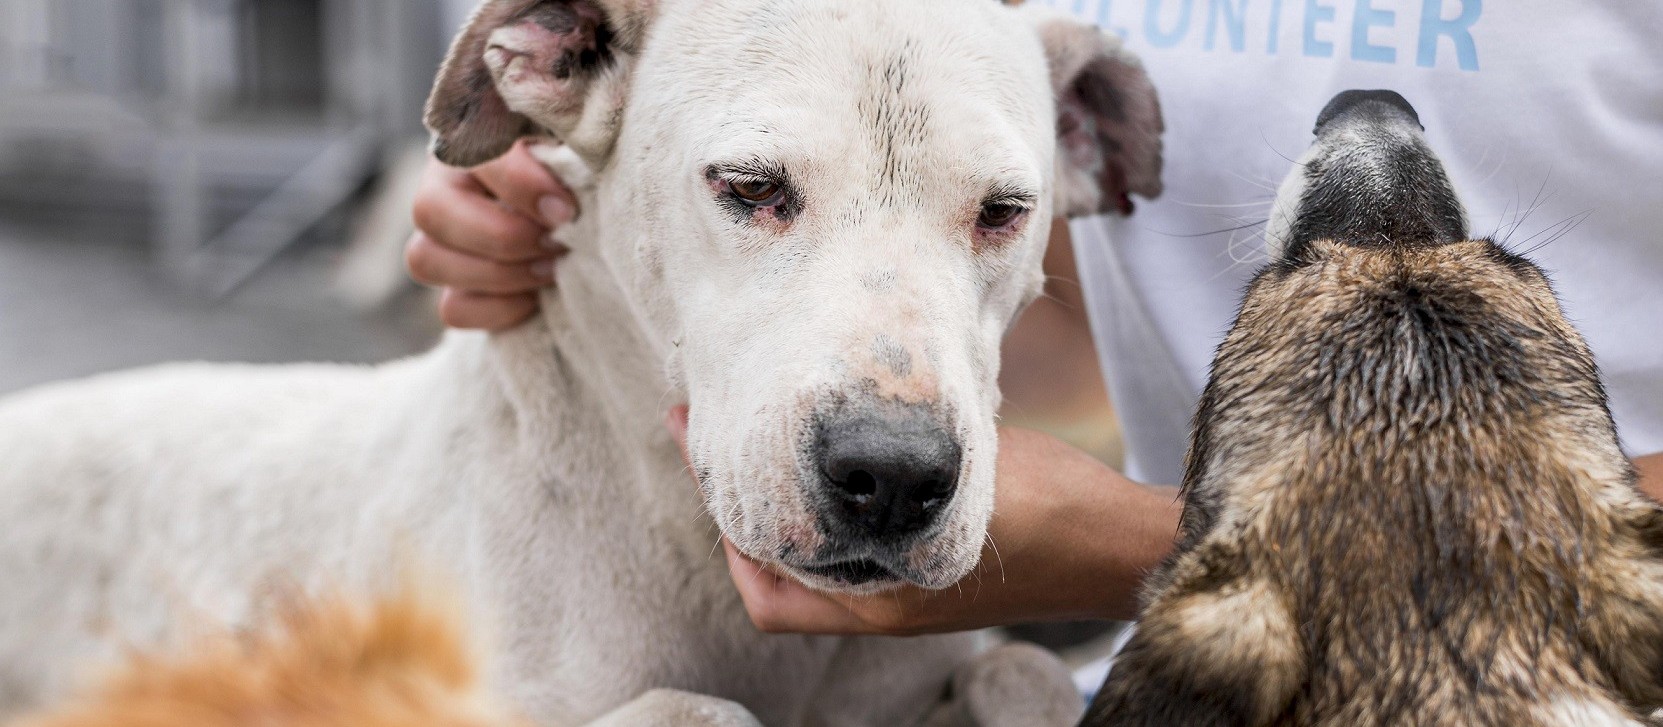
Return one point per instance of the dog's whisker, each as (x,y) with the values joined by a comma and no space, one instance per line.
(1231,269)
(1209,233)
(997,558)
(668,392)
(1558,230)
(1501,161)
(1054,299)
(1060,280)
(1501,219)
(1541,198)
(1255,182)
(1278,152)
(755,574)
(1229,205)
(1256,254)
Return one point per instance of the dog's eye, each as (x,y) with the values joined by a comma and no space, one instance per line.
(757,192)
(999,215)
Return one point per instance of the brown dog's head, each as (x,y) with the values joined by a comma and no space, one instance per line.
(1381,331)
(1405,500)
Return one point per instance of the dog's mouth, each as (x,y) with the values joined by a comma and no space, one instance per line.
(858,572)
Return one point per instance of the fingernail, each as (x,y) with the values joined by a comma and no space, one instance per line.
(543,269)
(556,211)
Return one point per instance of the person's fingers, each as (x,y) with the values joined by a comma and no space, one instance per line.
(458,212)
(461,309)
(434,264)
(778,604)
(524,185)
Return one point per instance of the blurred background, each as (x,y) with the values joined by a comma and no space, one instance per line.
(178,178)
(230,180)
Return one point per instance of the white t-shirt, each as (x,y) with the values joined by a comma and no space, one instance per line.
(1551,107)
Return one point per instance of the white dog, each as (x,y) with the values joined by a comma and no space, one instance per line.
(812,220)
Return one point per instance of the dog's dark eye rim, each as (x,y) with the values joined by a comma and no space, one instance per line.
(752,184)
(755,191)
(998,214)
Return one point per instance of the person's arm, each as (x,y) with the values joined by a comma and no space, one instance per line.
(1070,538)
(1650,468)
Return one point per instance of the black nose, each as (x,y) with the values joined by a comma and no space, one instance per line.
(1379,103)
(888,469)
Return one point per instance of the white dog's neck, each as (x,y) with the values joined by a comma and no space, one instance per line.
(585,382)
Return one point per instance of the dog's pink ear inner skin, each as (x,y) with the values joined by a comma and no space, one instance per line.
(518,67)
(1108,121)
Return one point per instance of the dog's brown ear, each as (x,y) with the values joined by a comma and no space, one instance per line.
(522,67)
(1108,119)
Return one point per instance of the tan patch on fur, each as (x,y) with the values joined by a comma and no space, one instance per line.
(1243,627)
(399,662)
(1585,713)
(914,383)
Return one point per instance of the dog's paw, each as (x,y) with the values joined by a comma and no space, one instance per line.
(1014,685)
(674,707)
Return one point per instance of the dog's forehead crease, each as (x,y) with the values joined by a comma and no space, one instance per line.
(875,86)
(897,121)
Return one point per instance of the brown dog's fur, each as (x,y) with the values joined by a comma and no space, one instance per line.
(402,662)
(1405,505)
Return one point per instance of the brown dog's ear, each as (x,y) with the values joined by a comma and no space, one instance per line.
(1108,119)
(522,67)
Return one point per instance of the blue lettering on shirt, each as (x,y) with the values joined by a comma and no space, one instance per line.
(1458,29)
(1315,12)
(1152,24)
(1379,29)
(1232,12)
(1367,16)
(1275,26)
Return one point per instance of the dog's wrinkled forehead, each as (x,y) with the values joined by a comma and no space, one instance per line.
(886,86)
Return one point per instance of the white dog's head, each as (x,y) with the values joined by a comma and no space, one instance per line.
(829,211)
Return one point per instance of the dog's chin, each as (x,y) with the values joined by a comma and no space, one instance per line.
(863,576)
(854,577)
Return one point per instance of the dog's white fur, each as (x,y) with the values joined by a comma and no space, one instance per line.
(534,461)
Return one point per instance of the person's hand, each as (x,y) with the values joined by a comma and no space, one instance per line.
(1070,538)
(483,236)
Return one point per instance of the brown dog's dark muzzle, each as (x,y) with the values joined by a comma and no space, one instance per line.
(1372,181)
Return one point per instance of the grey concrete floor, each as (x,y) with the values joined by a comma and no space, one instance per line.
(82,299)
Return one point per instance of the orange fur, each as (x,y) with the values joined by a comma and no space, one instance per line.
(323,663)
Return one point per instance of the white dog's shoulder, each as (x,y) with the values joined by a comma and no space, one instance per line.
(137,502)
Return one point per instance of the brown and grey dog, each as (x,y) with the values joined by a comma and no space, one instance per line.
(1405,503)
